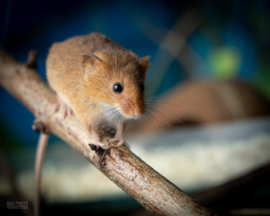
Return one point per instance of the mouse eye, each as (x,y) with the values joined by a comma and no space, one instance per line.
(142,88)
(117,88)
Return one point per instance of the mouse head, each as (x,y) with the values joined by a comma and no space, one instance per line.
(116,79)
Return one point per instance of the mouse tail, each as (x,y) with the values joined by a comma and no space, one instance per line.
(41,148)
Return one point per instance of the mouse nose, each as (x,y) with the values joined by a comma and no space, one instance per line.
(138,111)
(134,109)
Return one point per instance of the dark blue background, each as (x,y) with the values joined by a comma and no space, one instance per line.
(25,25)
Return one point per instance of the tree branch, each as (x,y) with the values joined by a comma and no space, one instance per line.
(149,188)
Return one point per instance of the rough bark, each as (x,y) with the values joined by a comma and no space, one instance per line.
(129,172)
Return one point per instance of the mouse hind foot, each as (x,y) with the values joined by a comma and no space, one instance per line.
(63,109)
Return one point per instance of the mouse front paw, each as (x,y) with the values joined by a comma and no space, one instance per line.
(108,129)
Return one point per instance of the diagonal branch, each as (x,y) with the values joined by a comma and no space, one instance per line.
(149,188)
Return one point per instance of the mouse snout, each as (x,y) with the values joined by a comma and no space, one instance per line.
(132,108)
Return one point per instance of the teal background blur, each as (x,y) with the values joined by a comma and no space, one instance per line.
(208,40)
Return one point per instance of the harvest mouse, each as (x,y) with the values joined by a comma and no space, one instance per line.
(98,80)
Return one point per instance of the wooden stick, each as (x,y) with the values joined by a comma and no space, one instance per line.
(140,181)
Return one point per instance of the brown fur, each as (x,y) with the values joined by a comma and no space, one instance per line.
(83,69)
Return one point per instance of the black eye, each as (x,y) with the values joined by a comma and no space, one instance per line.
(117,88)
(142,88)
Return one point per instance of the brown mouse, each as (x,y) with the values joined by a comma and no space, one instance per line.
(98,80)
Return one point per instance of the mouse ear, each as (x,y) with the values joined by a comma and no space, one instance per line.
(146,58)
(90,62)
(145,62)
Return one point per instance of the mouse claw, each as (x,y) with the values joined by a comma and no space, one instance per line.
(120,142)
(69,111)
(63,109)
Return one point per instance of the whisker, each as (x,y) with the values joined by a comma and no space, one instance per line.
(177,118)
(172,116)
(114,108)
(149,115)
(161,114)
(114,113)
(160,102)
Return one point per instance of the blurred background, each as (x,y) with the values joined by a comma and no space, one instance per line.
(208,91)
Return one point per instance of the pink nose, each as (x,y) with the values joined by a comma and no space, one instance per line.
(136,114)
(138,111)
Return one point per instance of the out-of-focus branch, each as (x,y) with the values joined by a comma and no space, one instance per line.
(235,192)
(149,188)
(174,43)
